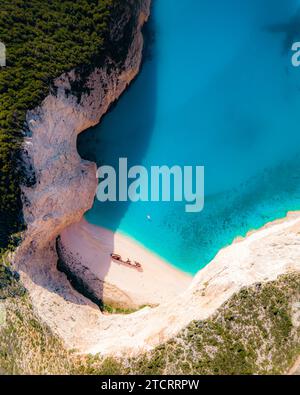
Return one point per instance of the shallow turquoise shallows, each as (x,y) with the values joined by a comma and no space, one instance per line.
(217,89)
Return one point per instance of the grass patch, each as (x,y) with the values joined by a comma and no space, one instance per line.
(117,310)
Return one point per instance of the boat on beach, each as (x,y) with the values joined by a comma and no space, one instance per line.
(128,263)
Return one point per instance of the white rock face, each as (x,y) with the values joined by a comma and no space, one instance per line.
(65,190)
(261,257)
(65,184)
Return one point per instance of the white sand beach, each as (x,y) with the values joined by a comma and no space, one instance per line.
(262,256)
(158,282)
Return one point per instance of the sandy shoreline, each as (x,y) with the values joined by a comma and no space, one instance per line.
(158,283)
(260,257)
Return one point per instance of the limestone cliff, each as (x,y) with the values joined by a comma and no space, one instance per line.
(64,185)
(63,188)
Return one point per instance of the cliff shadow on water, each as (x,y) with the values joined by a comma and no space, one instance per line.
(124,132)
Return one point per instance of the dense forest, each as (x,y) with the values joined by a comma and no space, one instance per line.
(43,39)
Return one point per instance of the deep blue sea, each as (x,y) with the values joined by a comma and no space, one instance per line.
(218,89)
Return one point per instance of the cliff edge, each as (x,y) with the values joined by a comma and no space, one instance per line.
(64,185)
(63,190)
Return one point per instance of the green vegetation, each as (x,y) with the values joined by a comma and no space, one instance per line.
(118,310)
(255,332)
(9,284)
(44,39)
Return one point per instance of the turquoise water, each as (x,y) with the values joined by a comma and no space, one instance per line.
(217,89)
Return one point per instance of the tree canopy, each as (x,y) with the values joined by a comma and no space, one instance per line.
(43,39)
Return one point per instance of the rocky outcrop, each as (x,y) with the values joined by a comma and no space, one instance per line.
(62,186)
